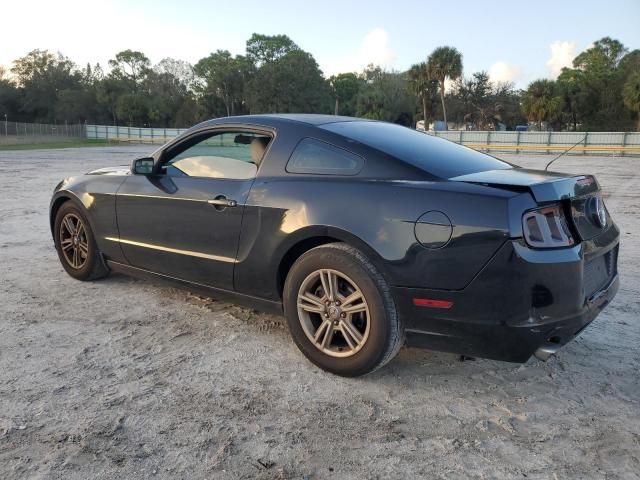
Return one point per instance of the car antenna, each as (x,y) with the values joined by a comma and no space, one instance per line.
(567,150)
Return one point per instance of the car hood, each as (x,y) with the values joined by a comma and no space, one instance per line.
(544,186)
(121,170)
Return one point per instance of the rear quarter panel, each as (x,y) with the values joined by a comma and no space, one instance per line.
(376,216)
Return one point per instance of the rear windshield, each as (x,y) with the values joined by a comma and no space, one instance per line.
(439,157)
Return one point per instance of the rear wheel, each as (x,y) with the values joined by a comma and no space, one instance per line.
(340,311)
(76,245)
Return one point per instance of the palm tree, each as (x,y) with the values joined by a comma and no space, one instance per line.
(540,102)
(424,87)
(443,63)
(417,78)
(345,87)
(570,86)
(631,95)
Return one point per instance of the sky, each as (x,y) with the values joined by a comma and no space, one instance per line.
(513,40)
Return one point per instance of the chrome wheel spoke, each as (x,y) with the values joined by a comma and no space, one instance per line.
(328,336)
(310,303)
(351,334)
(361,307)
(329,284)
(353,303)
(66,244)
(68,225)
(324,334)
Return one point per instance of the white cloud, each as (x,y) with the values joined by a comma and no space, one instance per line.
(562,55)
(374,49)
(504,72)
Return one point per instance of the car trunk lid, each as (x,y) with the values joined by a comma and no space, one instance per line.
(544,186)
(576,191)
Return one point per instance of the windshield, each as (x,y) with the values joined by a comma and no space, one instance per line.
(439,157)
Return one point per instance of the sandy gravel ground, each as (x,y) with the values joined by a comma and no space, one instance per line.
(123,379)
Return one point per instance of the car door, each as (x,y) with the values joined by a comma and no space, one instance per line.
(184,219)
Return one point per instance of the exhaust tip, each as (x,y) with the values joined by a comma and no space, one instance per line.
(546,351)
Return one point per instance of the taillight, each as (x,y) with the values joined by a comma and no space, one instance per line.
(546,228)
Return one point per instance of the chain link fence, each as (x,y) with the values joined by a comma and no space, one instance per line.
(18,133)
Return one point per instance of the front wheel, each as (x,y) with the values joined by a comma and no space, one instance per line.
(76,245)
(340,311)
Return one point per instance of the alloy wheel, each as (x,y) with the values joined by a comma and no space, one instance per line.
(73,241)
(333,313)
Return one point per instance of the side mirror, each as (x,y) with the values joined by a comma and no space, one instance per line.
(143,166)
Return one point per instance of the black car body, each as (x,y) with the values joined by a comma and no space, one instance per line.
(480,257)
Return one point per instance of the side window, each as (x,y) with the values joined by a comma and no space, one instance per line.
(234,155)
(314,156)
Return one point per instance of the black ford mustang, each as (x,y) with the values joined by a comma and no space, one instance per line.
(365,234)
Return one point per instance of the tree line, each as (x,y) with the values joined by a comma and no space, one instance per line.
(600,92)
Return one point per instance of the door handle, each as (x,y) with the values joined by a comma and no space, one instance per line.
(222,201)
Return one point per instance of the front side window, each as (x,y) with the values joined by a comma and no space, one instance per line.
(233,155)
(321,158)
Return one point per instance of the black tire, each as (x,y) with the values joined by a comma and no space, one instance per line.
(92,266)
(386,332)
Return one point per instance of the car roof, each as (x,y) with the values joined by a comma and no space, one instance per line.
(269,119)
(312,118)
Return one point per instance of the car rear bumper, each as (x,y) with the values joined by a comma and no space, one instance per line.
(522,301)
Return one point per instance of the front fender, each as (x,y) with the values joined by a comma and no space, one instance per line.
(95,195)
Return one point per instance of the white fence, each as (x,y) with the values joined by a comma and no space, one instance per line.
(595,143)
(132,134)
